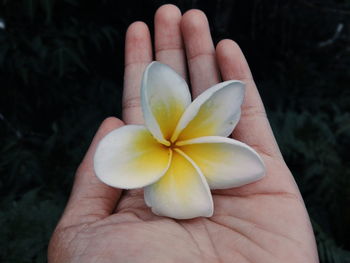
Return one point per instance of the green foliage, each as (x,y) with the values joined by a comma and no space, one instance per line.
(312,144)
(27,224)
(61,73)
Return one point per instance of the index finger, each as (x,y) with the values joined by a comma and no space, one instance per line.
(138,54)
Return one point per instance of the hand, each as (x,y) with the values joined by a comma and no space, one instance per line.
(265,221)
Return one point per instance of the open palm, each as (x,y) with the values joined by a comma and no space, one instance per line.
(265,221)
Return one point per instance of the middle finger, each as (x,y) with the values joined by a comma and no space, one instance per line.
(168,40)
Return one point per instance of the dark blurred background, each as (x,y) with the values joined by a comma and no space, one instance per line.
(61,74)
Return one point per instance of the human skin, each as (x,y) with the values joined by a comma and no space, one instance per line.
(265,221)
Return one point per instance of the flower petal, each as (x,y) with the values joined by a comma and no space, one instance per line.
(125,158)
(215,112)
(182,193)
(164,97)
(225,162)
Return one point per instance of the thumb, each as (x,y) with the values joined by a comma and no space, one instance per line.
(90,199)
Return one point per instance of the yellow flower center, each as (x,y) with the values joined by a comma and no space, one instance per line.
(170,145)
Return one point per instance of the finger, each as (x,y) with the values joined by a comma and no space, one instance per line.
(90,199)
(253,128)
(200,51)
(168,39)
(138,54)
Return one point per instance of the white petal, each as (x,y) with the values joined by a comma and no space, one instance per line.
(182,193)
(225,162)
(215,112)
(129,157)
(164,98)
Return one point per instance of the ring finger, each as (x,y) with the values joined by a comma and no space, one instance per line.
(200,51)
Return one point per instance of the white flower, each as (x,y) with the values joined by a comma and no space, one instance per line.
(182,151)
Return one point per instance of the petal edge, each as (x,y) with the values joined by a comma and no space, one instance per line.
(171,196)
(164,97)
(124,158)
(213,113)
(225,162)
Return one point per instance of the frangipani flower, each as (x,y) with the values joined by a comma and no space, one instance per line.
(182,151)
